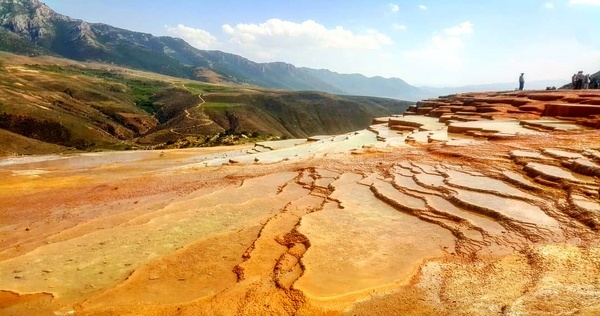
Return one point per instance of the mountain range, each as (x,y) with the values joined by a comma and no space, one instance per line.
(31,27)
(50,104)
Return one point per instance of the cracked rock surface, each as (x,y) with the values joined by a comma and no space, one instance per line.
(405,218)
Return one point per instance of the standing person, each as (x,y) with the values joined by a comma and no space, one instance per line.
(579,80)
(574,81)
(521,81)
(586,82)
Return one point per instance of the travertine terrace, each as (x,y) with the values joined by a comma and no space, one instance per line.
(474,204)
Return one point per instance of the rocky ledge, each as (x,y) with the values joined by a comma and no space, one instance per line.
(581,106)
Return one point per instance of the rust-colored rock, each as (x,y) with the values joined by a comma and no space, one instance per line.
(571,110)
(433,220)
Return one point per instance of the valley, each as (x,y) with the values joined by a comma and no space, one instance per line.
(100,107)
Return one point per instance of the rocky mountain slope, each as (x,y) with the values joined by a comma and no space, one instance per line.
(86,106)
(472,204)
(30,27)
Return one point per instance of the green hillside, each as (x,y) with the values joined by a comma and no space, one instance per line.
(31,28)
(66,105)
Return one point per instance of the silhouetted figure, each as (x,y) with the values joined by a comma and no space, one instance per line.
(521,81)
(574,81)
(579,80)
(586,82)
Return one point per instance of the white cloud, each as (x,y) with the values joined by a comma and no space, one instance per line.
(461,29)
(584,2)
(444,50)
(196,37)
(399,27)
(305,44)
(276,33)
(422,7)
(394,8)
(440,51)
(549,5)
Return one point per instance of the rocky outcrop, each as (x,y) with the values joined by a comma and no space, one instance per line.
(497,114)
(522,104)
(30,18)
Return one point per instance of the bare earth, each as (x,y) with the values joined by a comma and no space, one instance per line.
(449,212)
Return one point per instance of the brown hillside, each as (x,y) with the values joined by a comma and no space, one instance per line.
(97,107)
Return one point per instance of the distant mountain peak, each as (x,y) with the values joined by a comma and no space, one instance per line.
(31,27)
(28,18)
(27,3)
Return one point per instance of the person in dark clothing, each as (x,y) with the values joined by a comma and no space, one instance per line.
(595,83)
(521,82)
(579,81)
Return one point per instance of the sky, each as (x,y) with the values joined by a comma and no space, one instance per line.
(439,43)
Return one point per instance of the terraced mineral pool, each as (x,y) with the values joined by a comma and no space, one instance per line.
(586,167)
(437,136)
(585,203)
(92,160)
(408,183)
(279,144)
(384,133)
(104,258)
(337,144)
(29,173)
(407,202)
(554,173)
(419,137)
(391,253)
(552,125)
(487,224)
(351,141)
(521,181)
(501,126)
(462,142)
(511,208)
(26,160)
(430,180)
(399,171)
(561,154)
(460,179)
(527,154)
(423,123)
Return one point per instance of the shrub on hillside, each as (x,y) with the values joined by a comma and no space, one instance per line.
(46,131)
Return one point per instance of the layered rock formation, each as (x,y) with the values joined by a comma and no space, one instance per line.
(581,106)
(470,205)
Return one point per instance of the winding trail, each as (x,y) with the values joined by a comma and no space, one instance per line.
(204,121)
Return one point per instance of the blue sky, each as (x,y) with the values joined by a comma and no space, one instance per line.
(424,42)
